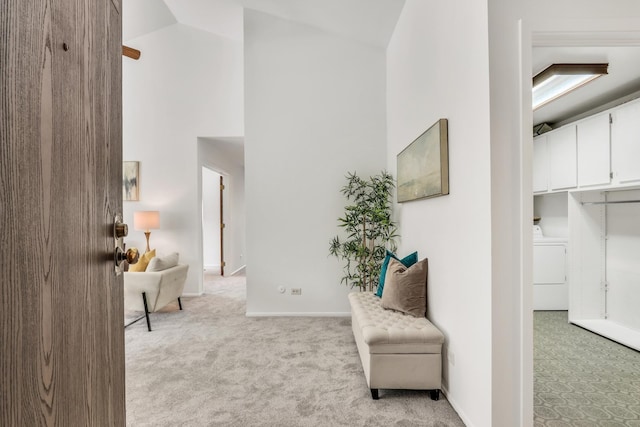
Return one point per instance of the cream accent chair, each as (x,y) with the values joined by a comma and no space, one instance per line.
(151,290)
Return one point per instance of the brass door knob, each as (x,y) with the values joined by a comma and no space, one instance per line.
(131,255)
(120,230)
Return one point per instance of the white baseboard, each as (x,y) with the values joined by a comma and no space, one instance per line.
(298,314)
(212,267)
(238,270)
(456,408)
(192,294)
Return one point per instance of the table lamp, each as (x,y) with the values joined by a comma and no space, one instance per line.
(145,221)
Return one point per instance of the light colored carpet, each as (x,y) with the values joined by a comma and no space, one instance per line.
(582,379)
(210,365)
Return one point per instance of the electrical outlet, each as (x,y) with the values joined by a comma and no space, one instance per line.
(296,291)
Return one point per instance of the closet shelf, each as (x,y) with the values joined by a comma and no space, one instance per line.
(612,330)
(612,202)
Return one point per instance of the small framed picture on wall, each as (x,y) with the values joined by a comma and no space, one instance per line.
(130,180)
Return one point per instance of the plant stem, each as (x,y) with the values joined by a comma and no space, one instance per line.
(364,245)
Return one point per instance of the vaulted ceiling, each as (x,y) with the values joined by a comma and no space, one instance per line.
(370,22)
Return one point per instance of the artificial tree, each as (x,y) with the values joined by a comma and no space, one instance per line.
(369,229)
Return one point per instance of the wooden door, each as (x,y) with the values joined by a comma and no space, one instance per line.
(222,263)
(61,321)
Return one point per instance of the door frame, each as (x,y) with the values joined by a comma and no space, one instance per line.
(551,32)
(224,213)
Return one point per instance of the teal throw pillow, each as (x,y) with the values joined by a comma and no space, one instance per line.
(407,261)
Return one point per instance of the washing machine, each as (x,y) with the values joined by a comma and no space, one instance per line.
(550,281)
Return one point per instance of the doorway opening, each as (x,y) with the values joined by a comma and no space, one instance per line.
(559,359)
(213,222)
(222,224)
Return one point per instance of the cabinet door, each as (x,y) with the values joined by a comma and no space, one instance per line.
(549,264)
(561,146)
(625,143)
(540,164)
(593,151)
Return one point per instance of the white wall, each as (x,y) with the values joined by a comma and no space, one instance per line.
(554,213)
(144,16)
(512,24)
(437,67)
(187,83)
(211,220)
(226,156)
(313,112)
(315,109)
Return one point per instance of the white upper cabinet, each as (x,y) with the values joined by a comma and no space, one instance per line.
(593,151)
(561,148)
(540,164)
(601,151)
(625,143)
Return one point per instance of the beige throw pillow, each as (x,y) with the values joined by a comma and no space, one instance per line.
(164,262)
(405,289)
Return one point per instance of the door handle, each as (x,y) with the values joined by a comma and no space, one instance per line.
(131,256)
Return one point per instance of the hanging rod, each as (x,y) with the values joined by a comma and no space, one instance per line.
(613,202)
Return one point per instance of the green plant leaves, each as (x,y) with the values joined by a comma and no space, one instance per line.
(369,227)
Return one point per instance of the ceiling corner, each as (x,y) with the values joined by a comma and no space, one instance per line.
(141,17)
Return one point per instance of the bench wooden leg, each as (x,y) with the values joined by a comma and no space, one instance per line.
(374,394)
(435,394)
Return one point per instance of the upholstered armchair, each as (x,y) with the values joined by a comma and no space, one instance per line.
(159,284)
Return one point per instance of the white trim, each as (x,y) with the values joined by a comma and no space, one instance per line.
(544,34)
(525,267)
(467,422)
(212,267)
(298,314)
(589,39)
(238,270)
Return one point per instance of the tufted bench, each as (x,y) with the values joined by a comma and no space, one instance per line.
(398,351)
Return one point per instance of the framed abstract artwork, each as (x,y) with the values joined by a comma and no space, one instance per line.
(423,167)
(130,180)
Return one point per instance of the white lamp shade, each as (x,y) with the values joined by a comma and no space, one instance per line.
(146,220)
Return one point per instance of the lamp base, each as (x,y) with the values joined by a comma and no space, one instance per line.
(147,234)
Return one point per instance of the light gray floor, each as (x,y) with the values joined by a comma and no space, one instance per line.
(582,379)
(210,365)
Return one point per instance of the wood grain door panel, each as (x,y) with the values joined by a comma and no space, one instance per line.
(62,357)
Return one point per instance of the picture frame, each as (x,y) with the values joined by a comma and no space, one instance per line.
(130,181)
(423,166)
